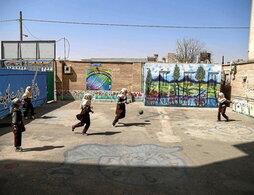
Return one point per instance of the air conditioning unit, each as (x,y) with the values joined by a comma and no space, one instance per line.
(67,69)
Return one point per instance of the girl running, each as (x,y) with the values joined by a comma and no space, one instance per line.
(84,115)
(223,102)
(120,107)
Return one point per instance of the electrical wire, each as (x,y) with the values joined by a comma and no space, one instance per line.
(69,48)
(30,31)
(15,20)
(69,45)
(136,25)
(68,55)
(143,26)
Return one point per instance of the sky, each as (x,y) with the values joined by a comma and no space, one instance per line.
(102,41)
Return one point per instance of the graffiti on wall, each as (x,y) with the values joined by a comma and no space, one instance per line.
(34,65)
(97,95)
(98,79)
(182,84)
(14,83)
(243,108)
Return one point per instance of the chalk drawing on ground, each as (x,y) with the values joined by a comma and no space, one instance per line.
(221,132)
(132,165)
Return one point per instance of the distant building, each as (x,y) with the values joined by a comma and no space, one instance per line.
(154,58)
(171,58)
(205,58)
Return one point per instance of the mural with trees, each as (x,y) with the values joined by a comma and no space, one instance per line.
(148,81)
(200,75)
(182,84)
(176,76)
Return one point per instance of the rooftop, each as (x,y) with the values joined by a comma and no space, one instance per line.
(240,63)
(130,60)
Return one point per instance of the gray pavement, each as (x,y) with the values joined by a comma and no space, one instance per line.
(166,150)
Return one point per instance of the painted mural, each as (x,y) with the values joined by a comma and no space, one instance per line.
(98,79)
(182,84)
(34,65)
(243,108)
(14,83)
(97,95)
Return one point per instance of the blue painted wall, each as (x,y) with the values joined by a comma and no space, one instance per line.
(13,84)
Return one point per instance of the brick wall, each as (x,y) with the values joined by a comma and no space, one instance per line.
(124,75)
(242,89)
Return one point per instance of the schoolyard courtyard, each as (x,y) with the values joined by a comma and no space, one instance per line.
(166,150)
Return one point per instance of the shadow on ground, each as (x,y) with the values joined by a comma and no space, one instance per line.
(233,176)
(43,148)
(5,124)
(231,120)
(133,124)
(102,133)
(48,117)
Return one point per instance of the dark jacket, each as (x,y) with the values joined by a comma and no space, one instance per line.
(84,114)
(17,119)
(224,103)
(120,107)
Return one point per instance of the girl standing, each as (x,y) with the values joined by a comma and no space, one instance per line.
(223,102)
(17,124)
(27,96)
(84,115)
(120,107)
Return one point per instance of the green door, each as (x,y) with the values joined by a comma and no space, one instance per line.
(50,85)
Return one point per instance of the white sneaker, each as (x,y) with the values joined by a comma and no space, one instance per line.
(18,149)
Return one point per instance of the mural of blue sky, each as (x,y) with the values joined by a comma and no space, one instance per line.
(155,68)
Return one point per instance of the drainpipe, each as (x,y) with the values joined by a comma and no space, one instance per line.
(62,81)
(230,71)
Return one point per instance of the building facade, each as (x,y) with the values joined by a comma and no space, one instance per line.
(104,78)
(238,85)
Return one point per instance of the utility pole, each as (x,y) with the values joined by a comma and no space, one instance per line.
(20,26)
(251,34)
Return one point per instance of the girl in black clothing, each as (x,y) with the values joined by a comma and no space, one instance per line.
(84,115)
(223,102)
(120,107)
(17,124)
(27,96)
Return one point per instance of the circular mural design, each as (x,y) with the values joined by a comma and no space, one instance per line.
(134,165)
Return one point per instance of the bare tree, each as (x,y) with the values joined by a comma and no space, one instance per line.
(187,50)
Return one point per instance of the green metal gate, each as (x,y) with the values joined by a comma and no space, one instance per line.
(50,85)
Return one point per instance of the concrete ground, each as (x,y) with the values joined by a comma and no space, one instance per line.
(164,151)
